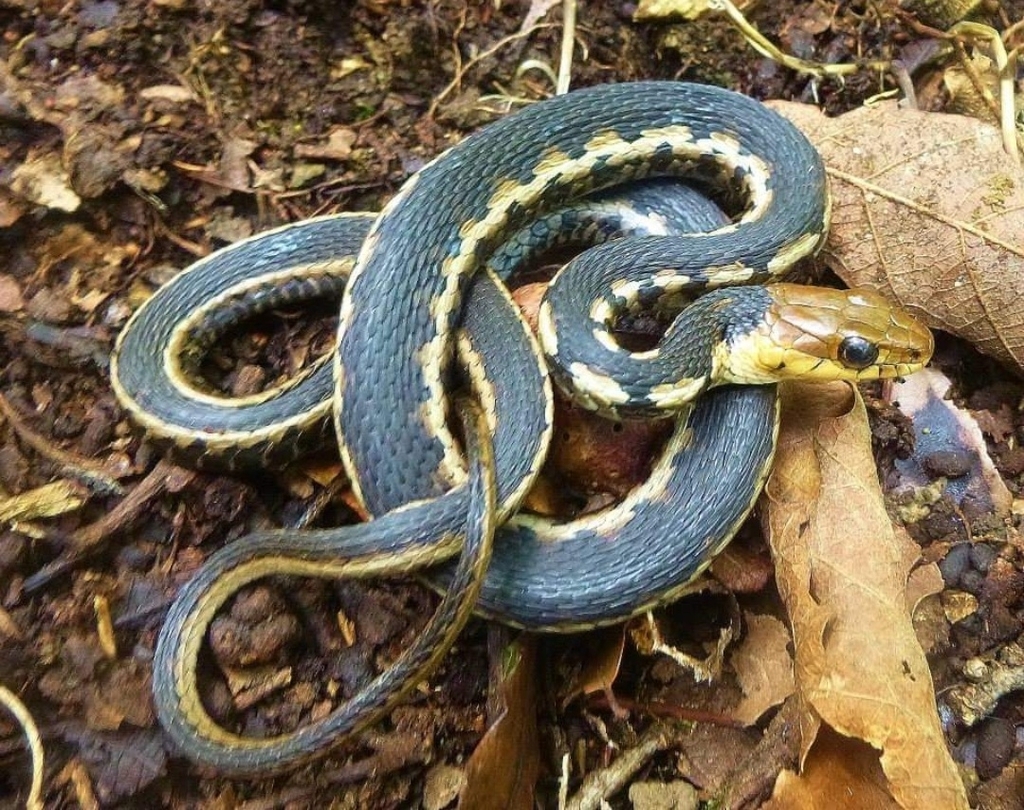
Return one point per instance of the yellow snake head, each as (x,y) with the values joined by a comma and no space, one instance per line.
(825,334)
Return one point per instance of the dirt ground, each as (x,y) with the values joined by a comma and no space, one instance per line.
(183,125)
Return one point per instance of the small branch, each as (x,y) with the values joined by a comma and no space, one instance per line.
(88,539)
(462,68)
(599,785)
(96,476)
(568,43)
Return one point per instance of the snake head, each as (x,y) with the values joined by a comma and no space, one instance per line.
(826,334)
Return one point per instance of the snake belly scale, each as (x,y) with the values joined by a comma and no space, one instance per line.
(421,294)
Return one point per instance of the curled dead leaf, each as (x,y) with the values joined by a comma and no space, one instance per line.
(842,571)
(763,667)
(929,210)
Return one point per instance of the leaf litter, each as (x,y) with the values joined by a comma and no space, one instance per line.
(249,160)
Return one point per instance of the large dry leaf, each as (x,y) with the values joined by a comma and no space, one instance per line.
(842,572)
(929,210)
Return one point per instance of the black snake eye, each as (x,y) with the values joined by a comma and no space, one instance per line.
(856,352)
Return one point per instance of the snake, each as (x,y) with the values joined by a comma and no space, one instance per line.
(424,303)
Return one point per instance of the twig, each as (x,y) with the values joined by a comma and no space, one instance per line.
(95,475)
(462,68)
(598,785)
(21,713)
(657,708)
(89,538)
(763,46)
(568,43)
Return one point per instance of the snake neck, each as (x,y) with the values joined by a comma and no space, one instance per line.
(704,336)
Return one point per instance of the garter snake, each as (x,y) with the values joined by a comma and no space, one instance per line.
(420,291)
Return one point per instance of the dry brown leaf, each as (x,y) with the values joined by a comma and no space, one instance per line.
(763,667)
(601,667)
(502,770)
(842,571)
(49,500)
(838,772)
(929,210)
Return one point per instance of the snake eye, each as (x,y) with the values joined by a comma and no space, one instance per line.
(856,352)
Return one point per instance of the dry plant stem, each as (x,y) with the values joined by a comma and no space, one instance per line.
(563,783)
(599,785)
(568,41)
(766,48)
(96,476)
(89,538)
(906,84)
(462,68)
(657,708)
(18,710)
(1006,63)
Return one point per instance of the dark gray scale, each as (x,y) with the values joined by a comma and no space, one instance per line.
(661,205)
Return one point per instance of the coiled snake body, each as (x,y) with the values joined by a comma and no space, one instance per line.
(421,291)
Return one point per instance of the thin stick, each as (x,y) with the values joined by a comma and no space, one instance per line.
(568,44)
(21,713)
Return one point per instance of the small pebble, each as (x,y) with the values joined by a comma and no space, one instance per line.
(948,463)
(982,557)
(975,670)
(250,380)
(972,581)
(256,604)
(956,562)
